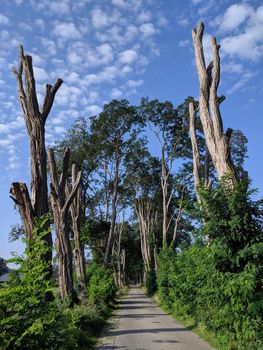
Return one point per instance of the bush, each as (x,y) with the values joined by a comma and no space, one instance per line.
(101,286)
(220,285)
(151,285)
(27,319)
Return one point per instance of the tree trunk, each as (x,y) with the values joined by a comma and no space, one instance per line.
(110,239)
(209,78)
(76,222)
(164,182)
(195,150)
(20,195)
(35,120)
(147,225)
(60,207)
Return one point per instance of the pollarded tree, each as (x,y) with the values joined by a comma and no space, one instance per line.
(35,118)
(209,77)
(61,200)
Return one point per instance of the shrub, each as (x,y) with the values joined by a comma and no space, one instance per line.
(220,285)
(27,319)
(101,287)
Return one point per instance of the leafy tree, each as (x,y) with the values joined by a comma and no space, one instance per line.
(3,266)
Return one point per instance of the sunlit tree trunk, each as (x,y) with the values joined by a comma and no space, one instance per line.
(60,206)
(35,119)
(209,77)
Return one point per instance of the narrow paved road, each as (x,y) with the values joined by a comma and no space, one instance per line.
(142,325)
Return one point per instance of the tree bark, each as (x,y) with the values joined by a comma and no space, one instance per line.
(35,120)
(195,150)
(110,239)
(147,225)
(20,195)
(209,77)
(76,224)
(60,207)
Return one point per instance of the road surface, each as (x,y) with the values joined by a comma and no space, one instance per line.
(140,324)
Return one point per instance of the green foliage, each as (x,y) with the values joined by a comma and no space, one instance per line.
(220,285)
(101,287)
(151,285)
(3,267)
(28,320)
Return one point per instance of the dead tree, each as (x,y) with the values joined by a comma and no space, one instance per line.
(201,173)
(209,77)
(35,119)
(77,215)
(60,204)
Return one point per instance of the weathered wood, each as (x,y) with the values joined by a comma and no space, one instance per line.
(35,124)
(77,215)
(19,193)
(147,218)
(209,77)
(195,150)
(110,239)
(60,203)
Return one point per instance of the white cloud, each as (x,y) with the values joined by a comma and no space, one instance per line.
(99,18)
(40,74)
(184,43)
(234,16)
(147,29)
(25,26)
(93,109)
(59,7)
(120,3)
(144,16)
(233,67)
(59,129)
(241,82)
(40,23)
(3,19)
(67,30)
(49,45)
(128,56)
(134,83)
(37,60)
(248,43)
(183,21)
(74,58)
(116,93)
(6,128)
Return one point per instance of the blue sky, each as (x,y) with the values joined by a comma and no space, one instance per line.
(123,49)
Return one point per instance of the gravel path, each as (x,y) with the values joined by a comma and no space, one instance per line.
(140,324)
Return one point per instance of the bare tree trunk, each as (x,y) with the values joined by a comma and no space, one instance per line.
(60,207)
(209,77)
(77,220)
(147,225)
(110,239)
(195,150)
(178,218)
(35,120)
(20,195)
(164,182)
(123,264)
